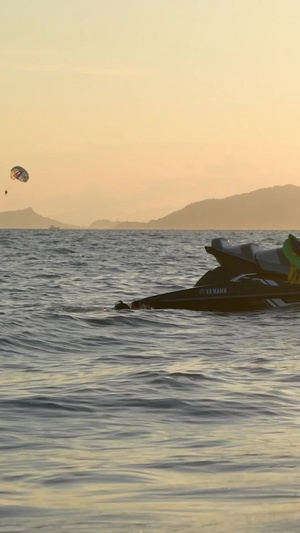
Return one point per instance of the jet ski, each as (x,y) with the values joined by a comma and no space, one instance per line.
(248,278)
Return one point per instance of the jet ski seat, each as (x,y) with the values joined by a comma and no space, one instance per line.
(243,251)
(269,260)
(273,261)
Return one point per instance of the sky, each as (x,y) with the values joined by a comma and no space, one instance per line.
(133,109)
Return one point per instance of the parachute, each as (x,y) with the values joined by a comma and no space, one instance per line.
(19,173)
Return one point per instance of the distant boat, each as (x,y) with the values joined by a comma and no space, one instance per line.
(54,227)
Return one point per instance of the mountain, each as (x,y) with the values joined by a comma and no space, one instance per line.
(109,224)
(273,208)
(28,219)
(104,224)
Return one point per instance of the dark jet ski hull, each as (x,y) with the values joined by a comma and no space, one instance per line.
(254,294)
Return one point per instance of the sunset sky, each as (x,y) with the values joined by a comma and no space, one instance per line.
(132,109)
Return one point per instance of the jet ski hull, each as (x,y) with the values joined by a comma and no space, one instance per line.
(256,294)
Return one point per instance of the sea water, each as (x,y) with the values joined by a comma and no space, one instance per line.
(141,421)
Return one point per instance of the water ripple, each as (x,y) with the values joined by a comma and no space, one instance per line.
(140,421)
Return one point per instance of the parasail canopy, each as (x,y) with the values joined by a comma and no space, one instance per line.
(19,173)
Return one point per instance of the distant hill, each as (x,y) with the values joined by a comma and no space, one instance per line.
(109,224)
(28,219)
(272,208)
(104,224)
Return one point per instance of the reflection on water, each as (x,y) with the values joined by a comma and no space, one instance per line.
(140,421)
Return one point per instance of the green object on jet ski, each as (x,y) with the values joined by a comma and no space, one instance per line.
(291,250)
